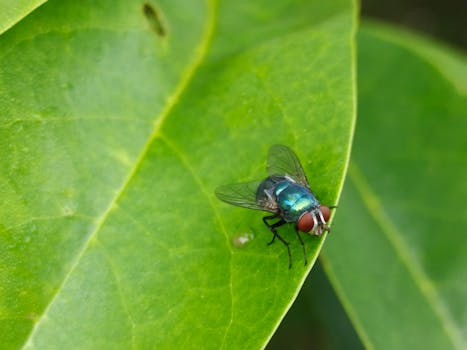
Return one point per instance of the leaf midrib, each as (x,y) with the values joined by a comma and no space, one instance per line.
(200,54)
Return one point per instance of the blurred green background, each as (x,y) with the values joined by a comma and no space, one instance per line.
(317,320)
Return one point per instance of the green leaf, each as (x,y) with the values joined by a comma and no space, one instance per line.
(118,122)
(399,263)
(13,11)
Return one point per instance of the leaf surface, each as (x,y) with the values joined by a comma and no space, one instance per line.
(118,122)
(400,262)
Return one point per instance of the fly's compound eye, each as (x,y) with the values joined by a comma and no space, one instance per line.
(306,222)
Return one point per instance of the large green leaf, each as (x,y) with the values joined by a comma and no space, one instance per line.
(12,11)
(400,261)
(118,121)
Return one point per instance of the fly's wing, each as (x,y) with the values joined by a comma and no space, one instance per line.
(244,195)
(283,161)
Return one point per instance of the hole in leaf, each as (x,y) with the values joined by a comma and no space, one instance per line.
(154,20)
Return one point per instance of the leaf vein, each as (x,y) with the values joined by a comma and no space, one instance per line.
(209,197)
(121,295)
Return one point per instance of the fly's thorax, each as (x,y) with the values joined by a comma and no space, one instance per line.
(294,200)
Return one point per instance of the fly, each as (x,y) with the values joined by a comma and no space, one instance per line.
(286,194)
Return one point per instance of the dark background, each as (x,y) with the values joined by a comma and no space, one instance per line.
(445,20)
(316,319)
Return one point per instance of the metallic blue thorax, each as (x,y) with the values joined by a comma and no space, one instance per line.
(292,198)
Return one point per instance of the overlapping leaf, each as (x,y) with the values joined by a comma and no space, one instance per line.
(400,262)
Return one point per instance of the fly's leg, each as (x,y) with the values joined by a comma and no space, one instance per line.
(273,228)
(265,220)
(303,245)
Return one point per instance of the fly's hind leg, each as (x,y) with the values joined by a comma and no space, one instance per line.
(273,229)
(303,245)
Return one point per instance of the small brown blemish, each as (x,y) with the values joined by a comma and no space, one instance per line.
(154,20)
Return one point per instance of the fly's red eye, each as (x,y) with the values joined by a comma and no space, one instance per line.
(305,223)
(326,212)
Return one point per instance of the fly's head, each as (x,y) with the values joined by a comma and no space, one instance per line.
(315,221)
